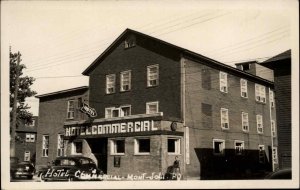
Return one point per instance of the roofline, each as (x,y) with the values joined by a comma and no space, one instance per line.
(62,91)
(183,50)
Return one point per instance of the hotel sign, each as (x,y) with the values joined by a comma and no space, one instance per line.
(91,112)
(112,128)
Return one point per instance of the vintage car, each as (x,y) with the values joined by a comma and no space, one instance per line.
(22,169)
(71,168)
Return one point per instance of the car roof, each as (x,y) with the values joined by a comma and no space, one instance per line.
(73,157)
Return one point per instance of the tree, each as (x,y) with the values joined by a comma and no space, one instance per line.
(19,113)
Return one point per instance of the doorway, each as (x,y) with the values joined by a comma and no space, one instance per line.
(99,149)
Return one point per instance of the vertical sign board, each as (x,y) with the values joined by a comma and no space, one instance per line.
(117,161)
(187,145)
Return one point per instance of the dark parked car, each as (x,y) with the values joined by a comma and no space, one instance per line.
(22,169)
(71,168)
(280,174)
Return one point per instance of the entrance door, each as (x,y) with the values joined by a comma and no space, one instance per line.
(99,149)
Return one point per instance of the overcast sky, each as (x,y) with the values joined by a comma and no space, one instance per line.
(59,40)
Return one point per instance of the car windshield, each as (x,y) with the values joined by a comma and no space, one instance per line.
(64,162)
(85,161)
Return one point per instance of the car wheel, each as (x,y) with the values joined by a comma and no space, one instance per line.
(42,177)
(29,177)
(71,179)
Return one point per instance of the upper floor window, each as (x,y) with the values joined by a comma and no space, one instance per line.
(110,84)
(244,92)
(151,107)
(118,112)
(71,109)
(152,75)
(272,102)
(130,42)
(30,137)
(45,146)
(218,146)
(32,123)
(27,156)
(224,118)
(245,121)
(60,145)
(260,93)
(259,123)
(239,147)
(125,81)
(223,82)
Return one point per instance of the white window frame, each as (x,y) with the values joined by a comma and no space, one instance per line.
(260,93)
(273,128)
(244,88)
(130,42)
(275,155)
(30,137)
(60,149)
(110,84)
(223,82)
(223,124)
(222,152)
(121,113)
(109,111)
(123,82)
(45,150)
(71,113)
(113,147)
(151,104)
(137,145)
(271,98)
(245,122)
(177,146)
(27,153)
(259,124)
(74,148)
(152,76)
(240,152)
(261,155)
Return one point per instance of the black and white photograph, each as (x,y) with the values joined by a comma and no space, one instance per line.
(149,94)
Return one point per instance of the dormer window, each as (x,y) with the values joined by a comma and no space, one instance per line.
(129,42)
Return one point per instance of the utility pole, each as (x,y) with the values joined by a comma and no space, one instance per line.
(14,110)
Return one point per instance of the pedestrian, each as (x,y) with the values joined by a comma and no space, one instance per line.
(176,166)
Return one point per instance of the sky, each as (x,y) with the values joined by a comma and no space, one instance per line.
(58,40)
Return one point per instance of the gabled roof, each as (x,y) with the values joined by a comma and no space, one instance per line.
(281,56)
(62,91)
(184,52)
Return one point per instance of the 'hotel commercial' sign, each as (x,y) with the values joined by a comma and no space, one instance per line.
(124,127)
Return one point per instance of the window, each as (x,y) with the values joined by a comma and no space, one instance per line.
(70,114)
(118,147)
(224,118)
(125,81)
(273,128)
(173,146)
(30,137)
(77,147)
(206,79)
(32,123)
(259,124)
(261,154)
(152,75)
(244,93)
(110,83)
(218,146)
(245,121)
(45,145)
(60,145)
(142,146)
(80,102)
(260,93)
(223,82)
(239,147)
(27,156)
(118,112)
(151,107)
(274,155)
(272,99)
(129,42)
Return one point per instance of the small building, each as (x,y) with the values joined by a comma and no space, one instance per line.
(25,146)
(149,101)
(281,65)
